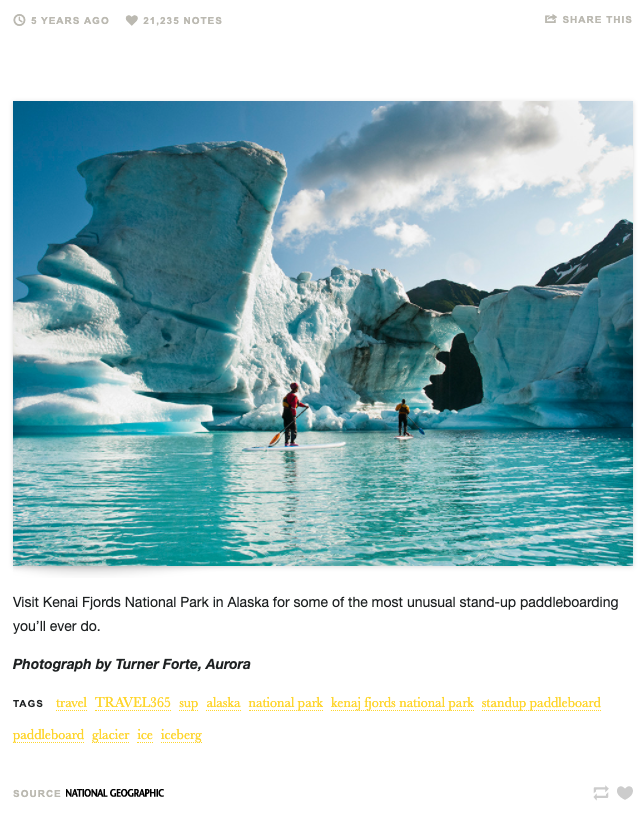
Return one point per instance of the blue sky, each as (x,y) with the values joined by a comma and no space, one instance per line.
(478,194)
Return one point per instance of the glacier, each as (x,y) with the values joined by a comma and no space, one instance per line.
(558,357)
(167,311)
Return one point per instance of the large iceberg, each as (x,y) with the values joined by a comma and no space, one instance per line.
(168,309)
(560,356)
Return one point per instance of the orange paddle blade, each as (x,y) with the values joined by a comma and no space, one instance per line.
(275,439)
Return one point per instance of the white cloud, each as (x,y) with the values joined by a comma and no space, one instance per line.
(590,206)
(545,226)
(410,236)
(303,212)
(566,227)
(615,163)
(388,230)
(378,112)
(429,155)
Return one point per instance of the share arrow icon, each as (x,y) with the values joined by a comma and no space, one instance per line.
(601,796)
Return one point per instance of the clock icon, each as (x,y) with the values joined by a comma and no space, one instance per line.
(19,19)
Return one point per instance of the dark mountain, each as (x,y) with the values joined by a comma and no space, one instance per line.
(443,295)
(617,244)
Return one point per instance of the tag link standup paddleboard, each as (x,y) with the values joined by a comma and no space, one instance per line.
(404,437)
(303,448)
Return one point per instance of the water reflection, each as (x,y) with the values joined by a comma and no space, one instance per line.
(290,501)
(468,498)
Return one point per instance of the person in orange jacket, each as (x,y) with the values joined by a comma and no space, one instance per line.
(403,412)
(290,403)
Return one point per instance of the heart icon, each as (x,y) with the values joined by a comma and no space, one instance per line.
(131,20)
(625,793)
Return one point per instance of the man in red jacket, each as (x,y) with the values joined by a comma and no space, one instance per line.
(290,403)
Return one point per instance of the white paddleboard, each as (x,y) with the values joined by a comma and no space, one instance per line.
(302,448)
(404,437)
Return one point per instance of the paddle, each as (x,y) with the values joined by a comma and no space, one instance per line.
(276,438)
(422,432)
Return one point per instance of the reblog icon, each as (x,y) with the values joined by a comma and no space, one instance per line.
(551,18)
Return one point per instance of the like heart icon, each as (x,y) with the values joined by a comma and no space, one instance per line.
(131,19)
(625,793)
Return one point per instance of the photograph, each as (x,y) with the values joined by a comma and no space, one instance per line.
(323,333)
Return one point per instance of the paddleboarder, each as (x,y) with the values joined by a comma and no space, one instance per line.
(403,412)
(290,403)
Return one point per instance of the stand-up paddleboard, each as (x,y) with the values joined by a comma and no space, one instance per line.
(404,437)
(303,448)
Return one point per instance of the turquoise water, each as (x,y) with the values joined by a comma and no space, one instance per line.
(539,497)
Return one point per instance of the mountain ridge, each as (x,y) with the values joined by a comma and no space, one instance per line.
(443,295)
(617,244)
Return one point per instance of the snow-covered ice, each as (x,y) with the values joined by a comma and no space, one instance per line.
(560,356)
(171,291)
(168,310)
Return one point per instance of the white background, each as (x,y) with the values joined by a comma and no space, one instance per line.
(332,761)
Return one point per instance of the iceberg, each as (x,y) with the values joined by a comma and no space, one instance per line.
(559,356)
(168,310)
